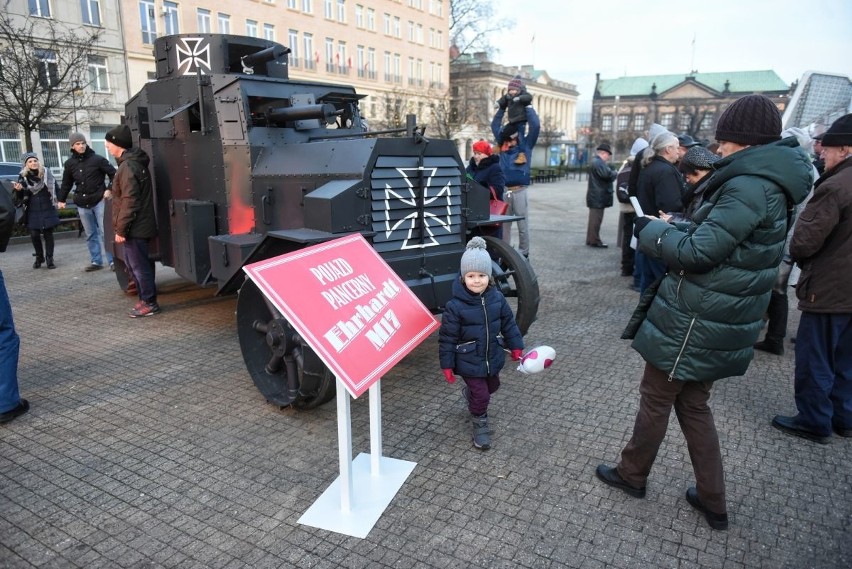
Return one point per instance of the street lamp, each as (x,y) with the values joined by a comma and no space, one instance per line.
(75,89)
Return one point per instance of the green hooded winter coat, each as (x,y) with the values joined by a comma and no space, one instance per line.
(709,308)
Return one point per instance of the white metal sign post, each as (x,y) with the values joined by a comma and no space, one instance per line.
(361,319)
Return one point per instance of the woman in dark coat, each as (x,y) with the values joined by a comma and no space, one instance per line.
(484,168)
(36,191)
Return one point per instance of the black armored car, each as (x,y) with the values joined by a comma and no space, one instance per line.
(248,164)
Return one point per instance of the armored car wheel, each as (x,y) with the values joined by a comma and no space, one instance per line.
(515,277)
(282,366)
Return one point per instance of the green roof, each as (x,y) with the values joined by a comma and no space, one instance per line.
(740,82)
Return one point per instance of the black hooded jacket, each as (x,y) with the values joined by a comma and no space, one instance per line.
(85,172)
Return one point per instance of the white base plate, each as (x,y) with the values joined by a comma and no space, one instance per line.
(370,496)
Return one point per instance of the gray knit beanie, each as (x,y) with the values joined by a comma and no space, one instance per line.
(476,258)
(75,138)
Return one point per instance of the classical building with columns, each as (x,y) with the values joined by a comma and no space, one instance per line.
(475,85)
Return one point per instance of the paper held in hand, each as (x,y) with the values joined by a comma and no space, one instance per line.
(636,207)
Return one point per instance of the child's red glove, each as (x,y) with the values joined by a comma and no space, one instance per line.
(516,355)
(448,375)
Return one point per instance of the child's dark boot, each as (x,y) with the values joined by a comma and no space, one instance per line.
(481,434)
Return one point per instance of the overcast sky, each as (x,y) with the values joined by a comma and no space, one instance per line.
(574,40)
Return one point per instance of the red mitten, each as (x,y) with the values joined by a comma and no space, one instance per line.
(516,355)
(448,375)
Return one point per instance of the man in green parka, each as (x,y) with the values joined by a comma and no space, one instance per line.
(708,310)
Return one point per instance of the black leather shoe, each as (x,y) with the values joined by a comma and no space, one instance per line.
(790,426)
(16,412)
(611,477)
(598,245)
(716,521)
(771,347)
(842,432)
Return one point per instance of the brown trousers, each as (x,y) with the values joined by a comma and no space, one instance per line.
(593,230)
(689,399)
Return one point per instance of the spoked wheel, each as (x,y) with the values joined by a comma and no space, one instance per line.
(516,279)
(283,367)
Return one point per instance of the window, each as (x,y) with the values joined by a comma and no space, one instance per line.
(410,30)
(148,21)
(170,15)
(97,141)
(224,23)
(341,10)
(203,18)
(329,9)
(388,75)
(440,40)
(329,55)
(48,71)
(91,12)
(411,71)
(707,121)
(623,122)
(98,76)
(293,40)
(397,68)
(638,122)
(269,32)
(307,7)
(40,8)
(293,4)
(251,28)
(685,120)
(342,63)
(359,16)
(397,31)
(431,37)
(440,8)
(360,62)
(54,144)
(371,63)
(311,55)
(10,143)
(151,76)
(606,123)
(371,19)
(667,120)
(387,20)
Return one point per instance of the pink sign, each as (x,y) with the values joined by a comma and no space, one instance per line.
(349,305)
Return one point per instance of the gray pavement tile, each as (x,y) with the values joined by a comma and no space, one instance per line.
(147,444)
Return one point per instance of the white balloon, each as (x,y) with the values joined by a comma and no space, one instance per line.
(537,359)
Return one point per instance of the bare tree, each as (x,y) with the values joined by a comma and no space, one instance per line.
(549,132)
(473,25)
(43,71)
(692,115)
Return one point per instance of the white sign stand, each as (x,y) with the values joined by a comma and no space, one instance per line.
(353,503)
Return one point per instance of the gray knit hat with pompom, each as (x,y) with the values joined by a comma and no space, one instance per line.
(476,258)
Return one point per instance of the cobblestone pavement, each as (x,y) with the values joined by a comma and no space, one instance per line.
(148,445)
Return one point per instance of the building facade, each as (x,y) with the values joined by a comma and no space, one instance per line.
(92,97)
(477,83)
(624,108)
(394,51)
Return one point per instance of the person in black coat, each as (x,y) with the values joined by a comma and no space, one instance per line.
(660,189)
(86,171)
(484,169)
(36,190)
(599,193)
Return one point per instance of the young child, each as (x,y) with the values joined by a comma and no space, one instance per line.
(476,327)
(515,102)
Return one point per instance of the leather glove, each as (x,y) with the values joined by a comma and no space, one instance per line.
(516,355)
(503,102)
(639,224)
(448,375)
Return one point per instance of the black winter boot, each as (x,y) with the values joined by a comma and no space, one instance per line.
(481,434)
(50,264)
(38,262)
(776,328)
